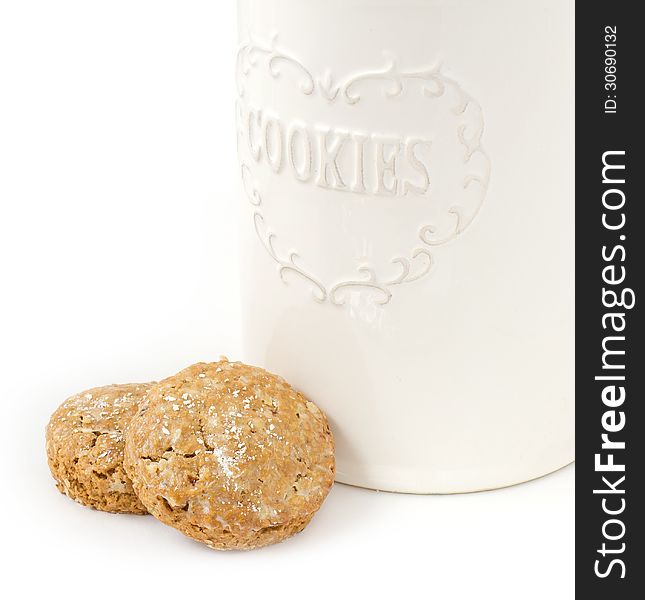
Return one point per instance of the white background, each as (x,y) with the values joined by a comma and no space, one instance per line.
(118,248)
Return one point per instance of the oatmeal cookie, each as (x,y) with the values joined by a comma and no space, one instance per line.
(84,442)
(230,455)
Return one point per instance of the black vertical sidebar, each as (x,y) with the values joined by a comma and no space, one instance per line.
(610,264)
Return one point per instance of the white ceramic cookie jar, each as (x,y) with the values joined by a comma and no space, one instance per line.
(407,176)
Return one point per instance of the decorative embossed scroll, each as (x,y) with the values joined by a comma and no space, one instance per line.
(376,165)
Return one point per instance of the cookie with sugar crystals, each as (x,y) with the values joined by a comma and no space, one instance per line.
(230,455)
(84,443)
